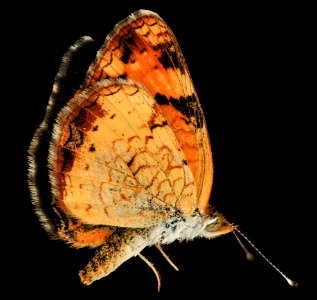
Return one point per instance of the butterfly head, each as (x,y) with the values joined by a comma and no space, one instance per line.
(216,225)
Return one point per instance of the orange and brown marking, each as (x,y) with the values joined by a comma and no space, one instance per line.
(146,51)
(121,164)
(130,151)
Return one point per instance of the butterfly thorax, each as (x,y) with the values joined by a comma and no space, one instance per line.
(182,227)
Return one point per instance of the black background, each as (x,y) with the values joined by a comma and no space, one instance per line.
(251,67)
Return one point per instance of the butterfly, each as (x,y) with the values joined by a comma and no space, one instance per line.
(127,158)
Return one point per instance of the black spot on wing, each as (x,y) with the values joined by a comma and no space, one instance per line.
(130,40)
(123,76)
(165,60)
(68,159)
(161,99)
(170,58)
(181,105)
(188,106)
(155,125)
(130,162)
(81,118)
(126,53)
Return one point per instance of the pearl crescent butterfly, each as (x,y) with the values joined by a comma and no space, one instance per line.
(128,156)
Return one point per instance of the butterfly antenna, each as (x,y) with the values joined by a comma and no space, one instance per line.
(166,257)
(158,278)
(250,257)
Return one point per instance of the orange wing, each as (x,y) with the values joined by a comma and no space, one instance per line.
(115,161)
(144,49)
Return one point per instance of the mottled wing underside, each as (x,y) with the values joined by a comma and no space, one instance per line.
(143,48)
(127,155)
(115,161)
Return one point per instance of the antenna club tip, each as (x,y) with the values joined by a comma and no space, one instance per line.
(250,256)
(292,282)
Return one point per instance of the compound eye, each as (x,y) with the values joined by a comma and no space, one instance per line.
(212,225)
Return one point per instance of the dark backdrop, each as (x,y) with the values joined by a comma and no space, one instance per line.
(251,69)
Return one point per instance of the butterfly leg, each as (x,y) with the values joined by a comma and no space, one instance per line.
(166,257)
(158,278)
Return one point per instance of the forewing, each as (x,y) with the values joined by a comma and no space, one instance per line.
(115,161)
(144,49)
